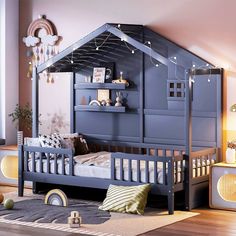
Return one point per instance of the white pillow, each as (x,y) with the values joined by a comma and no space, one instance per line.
(73,135)
(32,142)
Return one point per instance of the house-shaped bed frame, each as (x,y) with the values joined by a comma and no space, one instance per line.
(172,114)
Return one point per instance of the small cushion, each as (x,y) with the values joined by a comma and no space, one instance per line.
(32,142)
(68,143)
(50,141)
(126,199)
(81,147)
(77,144)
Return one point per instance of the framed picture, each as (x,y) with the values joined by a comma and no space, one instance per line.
(99,74)
(110,66)
(103,94)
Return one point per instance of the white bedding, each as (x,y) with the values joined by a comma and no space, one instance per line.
(98,165)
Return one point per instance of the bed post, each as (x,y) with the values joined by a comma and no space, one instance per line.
(188,139)
(20,171)
(35,103)
(170,180)
(72,104)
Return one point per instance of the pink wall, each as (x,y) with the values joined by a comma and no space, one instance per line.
(205,27)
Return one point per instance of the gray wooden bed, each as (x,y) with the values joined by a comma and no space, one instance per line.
(169,129)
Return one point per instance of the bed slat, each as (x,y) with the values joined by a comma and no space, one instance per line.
(129,170)
(147,171)
(71,170)
(40,163)
(55,164)
(63,164)
(176,171)
(121,169)
(138,171)
(155,152)
(155,172)
(48,163)
(182,171)
(26,160)
(33,162)
(113,175)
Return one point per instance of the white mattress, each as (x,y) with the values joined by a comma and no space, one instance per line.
(97,165)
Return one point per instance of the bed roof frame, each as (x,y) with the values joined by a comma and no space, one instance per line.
(61,63)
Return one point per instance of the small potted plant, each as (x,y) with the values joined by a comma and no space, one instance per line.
(22,117)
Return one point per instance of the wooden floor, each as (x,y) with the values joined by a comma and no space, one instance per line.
(208,222)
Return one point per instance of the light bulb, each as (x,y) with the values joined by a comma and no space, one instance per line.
(175,58)
(97,48)
(118,25)
(72,62)
(207,64)
(208,80)
(30,62)
(157,65)
(132,51)
(149,42)
(193,65)
(122,39)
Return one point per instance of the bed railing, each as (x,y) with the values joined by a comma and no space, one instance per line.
(202,160)
(166,173)
(197,177)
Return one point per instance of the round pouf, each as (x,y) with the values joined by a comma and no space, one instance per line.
(8,204)
(1,197)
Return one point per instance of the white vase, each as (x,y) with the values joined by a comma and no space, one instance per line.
(19,138)
(230,155)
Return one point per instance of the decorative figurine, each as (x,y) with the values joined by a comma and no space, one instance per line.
(103,103)
(108,102)
(118,99)
(95,103)
(121,80)
(74,220)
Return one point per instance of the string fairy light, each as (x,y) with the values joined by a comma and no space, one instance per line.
(132,50)
(98,46)
(149,45)
(204,66)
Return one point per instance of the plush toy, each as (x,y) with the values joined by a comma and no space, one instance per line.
(74,220)
(8,204)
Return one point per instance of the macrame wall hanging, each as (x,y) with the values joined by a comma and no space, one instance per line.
(42,41)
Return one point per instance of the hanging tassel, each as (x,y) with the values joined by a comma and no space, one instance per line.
(52,51)
(30,69)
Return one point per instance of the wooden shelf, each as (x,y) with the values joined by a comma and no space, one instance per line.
(9,147)
(99,86)
(99,108)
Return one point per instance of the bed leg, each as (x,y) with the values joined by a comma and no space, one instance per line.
(171,203)
(20,187)
(35,188)
(20,171)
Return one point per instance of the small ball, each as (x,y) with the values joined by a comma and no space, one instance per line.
(1,197)
(8,204)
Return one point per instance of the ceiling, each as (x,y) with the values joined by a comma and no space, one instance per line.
(205,27)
